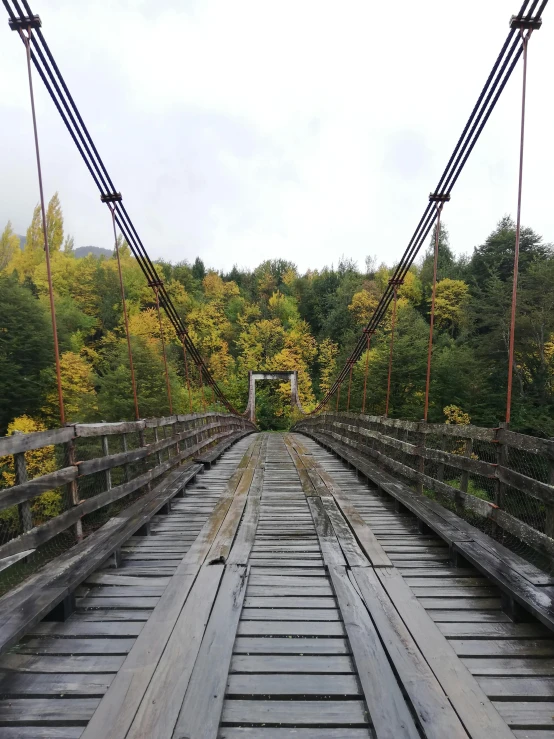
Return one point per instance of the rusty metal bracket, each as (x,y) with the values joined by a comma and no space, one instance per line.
(439,197)
(155,283)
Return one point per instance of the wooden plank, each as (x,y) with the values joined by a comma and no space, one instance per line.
(389,712)
(347,540)
(106,429)
(201,710)
(510,666)
(75,646)
(288,645)
(226,535)
(328,542)
(38,685)
(528,485)
(54,664)
(329,686)
(290,614)
(480,718)
(281,663)
(242,546)
(158,710)
(297,713)
(18,443)
(538,600)
(46,732)
(531,714)
(44,711)
(290,628)
(9,561)
(30,489)
(518,688)
(429,700)
(527,443)
(246,732)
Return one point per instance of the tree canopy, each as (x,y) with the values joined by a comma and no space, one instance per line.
(273,318)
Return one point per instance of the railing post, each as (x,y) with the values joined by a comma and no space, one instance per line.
(125,448)
(501,461)
(549,509)
(468,450)
(106,452)
(73,487)
(421,439)
(156,439)
(21,476)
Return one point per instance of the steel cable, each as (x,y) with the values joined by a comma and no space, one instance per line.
(54,82)
(496,81)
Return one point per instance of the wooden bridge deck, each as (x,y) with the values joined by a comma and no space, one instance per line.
(282,597)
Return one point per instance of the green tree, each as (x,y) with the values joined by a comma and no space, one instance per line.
(9,244)
(26,349)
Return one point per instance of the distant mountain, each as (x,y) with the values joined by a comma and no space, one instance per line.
(96,251)
(80,251)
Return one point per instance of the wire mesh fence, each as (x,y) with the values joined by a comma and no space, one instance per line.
(52,495)
(499,481)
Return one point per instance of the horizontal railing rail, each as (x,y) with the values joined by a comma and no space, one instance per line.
(88,475)
(495,474)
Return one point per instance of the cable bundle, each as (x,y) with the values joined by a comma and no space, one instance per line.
(497,79)
(56,86)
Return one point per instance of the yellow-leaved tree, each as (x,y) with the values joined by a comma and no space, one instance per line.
(38,462)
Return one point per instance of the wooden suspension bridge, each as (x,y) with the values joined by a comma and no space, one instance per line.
(355,577)
(276,585)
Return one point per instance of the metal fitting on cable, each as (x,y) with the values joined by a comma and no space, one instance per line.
(439,197)
(23,24)
(111,197)
(533,24)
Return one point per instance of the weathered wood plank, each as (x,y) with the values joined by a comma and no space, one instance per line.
(30,489)
(297,713)
(429,700)
(470,702)
(389,712)
(159,708)
(18,443)
(328,686)
(201,710)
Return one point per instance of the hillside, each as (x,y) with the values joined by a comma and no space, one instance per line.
(274,318)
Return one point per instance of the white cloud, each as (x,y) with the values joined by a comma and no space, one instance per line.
(254,129)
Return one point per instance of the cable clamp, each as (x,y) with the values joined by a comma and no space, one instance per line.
(396,282)
(439,197)
(155,283)
(111,197)
(23,24)
(369,331)
(525,23)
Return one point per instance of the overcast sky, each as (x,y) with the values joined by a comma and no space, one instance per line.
(242,130)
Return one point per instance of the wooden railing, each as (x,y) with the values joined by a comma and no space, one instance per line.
(90,474)
(494,473)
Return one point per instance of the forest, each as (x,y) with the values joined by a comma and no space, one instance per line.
(273,318)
